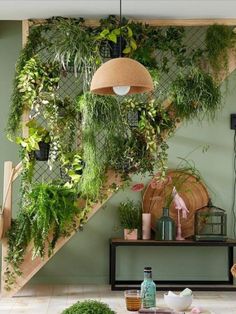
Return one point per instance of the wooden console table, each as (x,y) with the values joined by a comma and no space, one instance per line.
(197,285)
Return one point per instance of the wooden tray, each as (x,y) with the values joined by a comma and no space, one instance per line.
(193,192)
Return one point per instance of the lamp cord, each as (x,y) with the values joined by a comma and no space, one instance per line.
(234,189)
(120,27)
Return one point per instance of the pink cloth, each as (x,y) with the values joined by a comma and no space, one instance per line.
(179,203)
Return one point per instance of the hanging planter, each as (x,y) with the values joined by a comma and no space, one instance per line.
(42,154)
(116,48)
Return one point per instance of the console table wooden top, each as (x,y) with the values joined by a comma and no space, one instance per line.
(117,241)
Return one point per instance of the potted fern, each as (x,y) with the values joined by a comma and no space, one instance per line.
(130,219)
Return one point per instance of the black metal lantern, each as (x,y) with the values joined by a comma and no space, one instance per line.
(210,224)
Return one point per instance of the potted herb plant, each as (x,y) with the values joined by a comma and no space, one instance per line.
(130,219)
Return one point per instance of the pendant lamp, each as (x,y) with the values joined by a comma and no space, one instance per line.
(121,76)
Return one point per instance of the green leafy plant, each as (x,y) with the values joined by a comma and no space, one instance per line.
(73,44)
(113,35)
(36,40)
(29,145)
(195,95)
(219,39)
(73,165)
(36,134)
(129,215)
(33,81)
(100,118)
(156,124)
(62,120)
(50,213)
(89,307)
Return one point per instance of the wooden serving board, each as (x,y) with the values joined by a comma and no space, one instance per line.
(193,192)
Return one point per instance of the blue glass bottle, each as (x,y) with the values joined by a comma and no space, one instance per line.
(148,289)
(165,227)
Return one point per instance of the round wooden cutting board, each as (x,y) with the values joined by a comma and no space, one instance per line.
(193,192)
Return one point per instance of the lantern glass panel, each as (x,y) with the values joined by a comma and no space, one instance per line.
(211,224)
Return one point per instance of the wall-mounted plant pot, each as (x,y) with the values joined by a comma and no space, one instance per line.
(117,48)
(43,153)
(131,234)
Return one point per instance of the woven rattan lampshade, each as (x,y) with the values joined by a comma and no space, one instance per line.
(121,72)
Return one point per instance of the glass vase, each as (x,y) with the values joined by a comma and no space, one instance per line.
(165,227)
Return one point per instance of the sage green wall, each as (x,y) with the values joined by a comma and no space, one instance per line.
(85,258)
(10,45)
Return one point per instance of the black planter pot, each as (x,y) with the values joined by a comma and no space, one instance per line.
(115,50)
(43,153)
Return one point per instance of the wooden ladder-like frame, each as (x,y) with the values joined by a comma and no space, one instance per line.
(30,267)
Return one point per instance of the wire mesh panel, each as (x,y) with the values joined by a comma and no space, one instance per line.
(71,85)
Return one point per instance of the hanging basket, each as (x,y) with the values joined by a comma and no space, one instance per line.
(43,153)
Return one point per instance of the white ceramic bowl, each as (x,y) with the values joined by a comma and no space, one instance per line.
(177,302)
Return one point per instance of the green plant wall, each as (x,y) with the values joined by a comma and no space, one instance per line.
(85,258)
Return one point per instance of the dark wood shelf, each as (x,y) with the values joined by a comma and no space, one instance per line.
(203,285)
(121,242)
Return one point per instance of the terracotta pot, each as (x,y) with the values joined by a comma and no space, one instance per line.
(131,234)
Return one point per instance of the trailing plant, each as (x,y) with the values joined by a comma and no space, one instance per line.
(74,45)
(195,95)
(153,40)
(29,145)
(101,123)
(156,124)
(34,80)
(219,39)
(51,213)
(35,42)
(73,164)
(62,120)
(88,307)
(129,215)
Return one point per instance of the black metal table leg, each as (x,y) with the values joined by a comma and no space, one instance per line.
(110,263)
(230,264)
(113,266)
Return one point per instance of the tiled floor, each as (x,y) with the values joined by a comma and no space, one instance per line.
(45,299)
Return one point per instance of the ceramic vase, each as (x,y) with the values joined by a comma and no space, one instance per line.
(146,226)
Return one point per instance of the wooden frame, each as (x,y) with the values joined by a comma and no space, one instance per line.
(159,22)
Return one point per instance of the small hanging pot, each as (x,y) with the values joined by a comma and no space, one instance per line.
(42,154)
(117,48)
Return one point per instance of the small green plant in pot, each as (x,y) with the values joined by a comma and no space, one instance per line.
(130,219)
(90,307)
(119,39)
(37,143)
